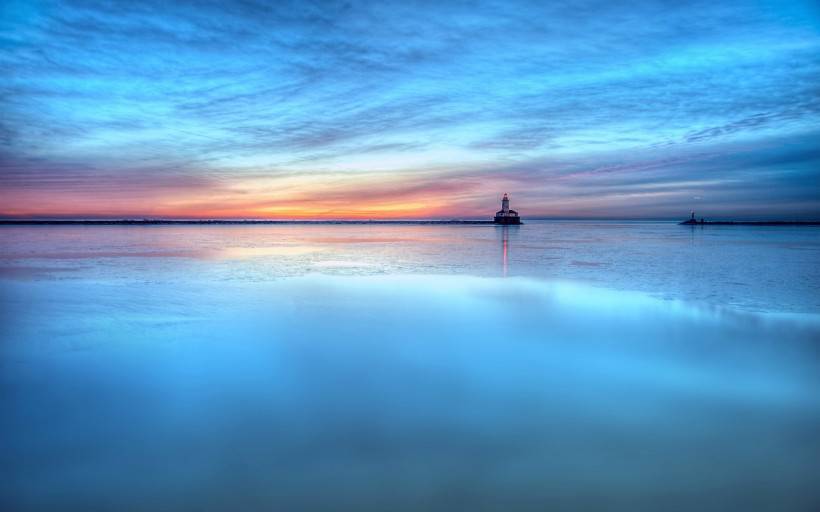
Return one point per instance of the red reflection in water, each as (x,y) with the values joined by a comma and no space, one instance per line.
(504,251)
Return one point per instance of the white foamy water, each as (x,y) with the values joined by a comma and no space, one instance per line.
(616,366)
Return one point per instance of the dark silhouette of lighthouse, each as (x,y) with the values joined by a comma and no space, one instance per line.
(505,215)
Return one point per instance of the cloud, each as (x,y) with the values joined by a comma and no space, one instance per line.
(200,99)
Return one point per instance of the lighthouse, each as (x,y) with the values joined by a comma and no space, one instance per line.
(505,215)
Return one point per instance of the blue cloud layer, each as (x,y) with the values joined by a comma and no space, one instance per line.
(578,108)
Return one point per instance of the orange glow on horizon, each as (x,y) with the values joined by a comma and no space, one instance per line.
(379,197)
(229,208)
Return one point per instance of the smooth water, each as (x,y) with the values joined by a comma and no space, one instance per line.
(564,365)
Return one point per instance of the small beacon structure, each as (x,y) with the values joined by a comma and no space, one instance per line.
(505,215)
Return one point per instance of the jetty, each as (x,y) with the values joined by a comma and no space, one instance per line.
(692,221)
(503,216)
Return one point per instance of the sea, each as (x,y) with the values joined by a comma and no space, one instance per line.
(557,365)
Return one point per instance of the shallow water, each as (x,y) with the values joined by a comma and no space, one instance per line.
(555,365)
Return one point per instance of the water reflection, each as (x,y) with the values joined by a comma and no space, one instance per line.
(505,232)
(400,393)
(505,235)
(717,266)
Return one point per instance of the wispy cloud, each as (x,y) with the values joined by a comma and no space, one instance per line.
(577,108)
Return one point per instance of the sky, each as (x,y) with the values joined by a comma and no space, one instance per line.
(177,109)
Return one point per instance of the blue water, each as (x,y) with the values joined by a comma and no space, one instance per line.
(568,365)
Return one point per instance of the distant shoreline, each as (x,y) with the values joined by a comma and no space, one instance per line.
(456,222)
(750,223)
(153,222)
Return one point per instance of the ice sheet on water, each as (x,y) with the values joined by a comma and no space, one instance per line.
(750,268)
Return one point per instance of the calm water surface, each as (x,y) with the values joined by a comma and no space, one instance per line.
(563,365)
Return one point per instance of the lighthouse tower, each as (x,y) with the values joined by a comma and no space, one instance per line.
(505,215)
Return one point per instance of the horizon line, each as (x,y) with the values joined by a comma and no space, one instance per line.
(466,219)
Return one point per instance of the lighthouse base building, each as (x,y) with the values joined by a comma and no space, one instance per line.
(505,215)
